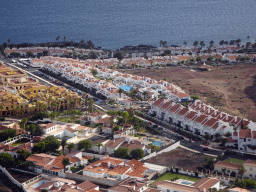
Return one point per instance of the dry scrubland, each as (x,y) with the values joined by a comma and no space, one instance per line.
(181,158)
(229,88)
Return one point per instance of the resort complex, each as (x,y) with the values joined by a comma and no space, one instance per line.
(79,125)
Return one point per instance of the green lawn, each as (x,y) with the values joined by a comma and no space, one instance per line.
(19,143)
(233,160)
(67,119)
(169,176)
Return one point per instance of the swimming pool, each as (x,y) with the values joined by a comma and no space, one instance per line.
(158,143)
(185,182)
(125,87)
(39,183)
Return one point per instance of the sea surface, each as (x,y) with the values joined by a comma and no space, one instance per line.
(113,24)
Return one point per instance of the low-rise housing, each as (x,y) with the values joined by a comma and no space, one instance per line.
(116,169)
(203,185)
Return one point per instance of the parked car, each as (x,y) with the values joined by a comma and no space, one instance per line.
(206,149)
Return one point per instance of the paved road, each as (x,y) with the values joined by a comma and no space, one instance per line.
(195,145)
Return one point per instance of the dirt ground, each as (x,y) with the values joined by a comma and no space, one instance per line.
(181,158)
(231,89)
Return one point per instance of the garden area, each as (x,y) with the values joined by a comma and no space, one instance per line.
(20,142)
(233,160)
(174,176)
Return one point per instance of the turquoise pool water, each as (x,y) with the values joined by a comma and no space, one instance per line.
(158,143)
(186,182)
(39,183)
(125,87)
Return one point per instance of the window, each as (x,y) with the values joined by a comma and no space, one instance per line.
(250,175)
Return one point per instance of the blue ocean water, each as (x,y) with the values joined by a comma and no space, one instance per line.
(116,23)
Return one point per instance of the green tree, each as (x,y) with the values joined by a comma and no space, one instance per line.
(194,97)
(23,122)
(137,153)
(161,42)
(8,133)
(121,152)
(6,160)
(242,170)
(185,43)
(49,144)
(210,58)
(199,59)
(65,162)
(85,144)
(165,79)
(195,44)
(94,72)
(70,146)
(211,43)
(29,54)
(45,52)
(247,183)
(9,41)
(202,44)
(90,44)
(119,55)
(93,55)
(223,170)
(23,155)
(44,190)
(57,38)
(63,143)
(207,137)
(209,163)
(39,147)
(145,93)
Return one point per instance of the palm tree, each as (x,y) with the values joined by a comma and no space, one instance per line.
(165,43)
(99,145)
(12,109)
(242,170)
(24,122)
(1,108)
(207,137)
(120,91)
(195,44)
(185,43)
(9,41)
(145,93)
(57,38)
(70,146)
(223,170)
(211,43)
(63,143)
(202,44)
(161,43)
(64,38)
(65,162)
(52,115)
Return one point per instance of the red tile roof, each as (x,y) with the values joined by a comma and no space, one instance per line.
(245,133)
(228,165)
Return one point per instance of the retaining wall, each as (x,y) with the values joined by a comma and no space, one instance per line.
(167,149)
(12,179)
(95,180)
